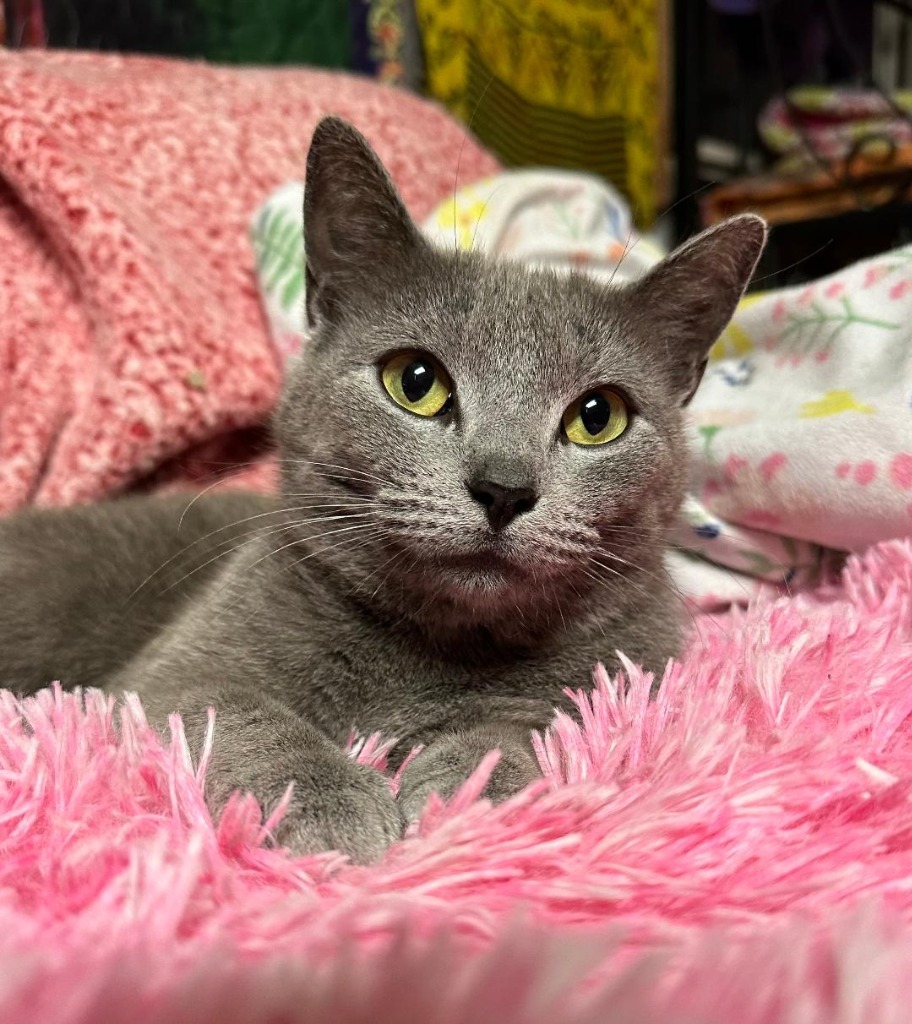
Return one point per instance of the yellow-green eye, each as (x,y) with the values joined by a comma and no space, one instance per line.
(597,417)
(417,382)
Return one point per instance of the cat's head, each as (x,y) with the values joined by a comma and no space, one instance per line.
(471,441)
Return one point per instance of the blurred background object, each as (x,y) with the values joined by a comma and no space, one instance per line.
(799,109)
(558,83)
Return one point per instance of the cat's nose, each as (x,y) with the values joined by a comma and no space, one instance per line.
(503,504)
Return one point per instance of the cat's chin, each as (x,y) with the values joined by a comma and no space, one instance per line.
(502,599)
(480,581)
(474,587)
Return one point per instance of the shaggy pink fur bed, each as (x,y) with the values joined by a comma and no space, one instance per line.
(738,850)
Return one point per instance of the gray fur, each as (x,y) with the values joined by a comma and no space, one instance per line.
(375,593)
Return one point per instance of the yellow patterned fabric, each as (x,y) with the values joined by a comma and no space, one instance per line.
(559,83)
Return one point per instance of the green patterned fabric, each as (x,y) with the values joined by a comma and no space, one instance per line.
(312,32)
(278,251)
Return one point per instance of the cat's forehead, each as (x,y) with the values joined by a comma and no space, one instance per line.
(553,330)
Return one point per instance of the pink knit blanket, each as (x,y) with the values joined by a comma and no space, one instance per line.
(131,332)
(739,850)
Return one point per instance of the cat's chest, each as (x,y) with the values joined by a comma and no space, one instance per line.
(372,682)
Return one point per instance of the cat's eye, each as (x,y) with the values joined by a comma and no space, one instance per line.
(418,383)
(597,417)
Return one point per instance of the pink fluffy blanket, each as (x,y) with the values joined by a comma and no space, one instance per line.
(739,849)
(130,325)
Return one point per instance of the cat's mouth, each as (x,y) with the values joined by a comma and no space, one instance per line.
(486,571)
(493,562)
(491,568)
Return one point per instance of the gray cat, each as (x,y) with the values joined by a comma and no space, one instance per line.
(480,466)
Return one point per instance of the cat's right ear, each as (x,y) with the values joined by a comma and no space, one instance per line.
(357,232)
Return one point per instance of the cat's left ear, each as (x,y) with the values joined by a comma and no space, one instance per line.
(687,300)
(357,233)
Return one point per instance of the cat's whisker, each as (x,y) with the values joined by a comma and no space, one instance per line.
(417,498)
(560,612)
(227,470)
(432,596)
(319,551)
(373,539)
(342,469)
(380,532)
(364,542)
(663,581)
(519,612)
(404,576)
(627,247)
(609,583)
(482,212)
(465,137)
(265,532)
(583,535)
(632,565)
(389,565)
(231,526)
(638,531)
(558,599)
(626,581)
(322,494)
(298,541)
(561,554)
(579,598)
(383,565)
(196,497)
(325,465)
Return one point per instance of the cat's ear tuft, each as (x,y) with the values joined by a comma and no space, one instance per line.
(688,299)
(357,232)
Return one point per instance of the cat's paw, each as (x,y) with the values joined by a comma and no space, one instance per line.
(335,803)
(356,815)
(448,762)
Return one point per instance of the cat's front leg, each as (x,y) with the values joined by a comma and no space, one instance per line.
(445,764)
(260,746)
